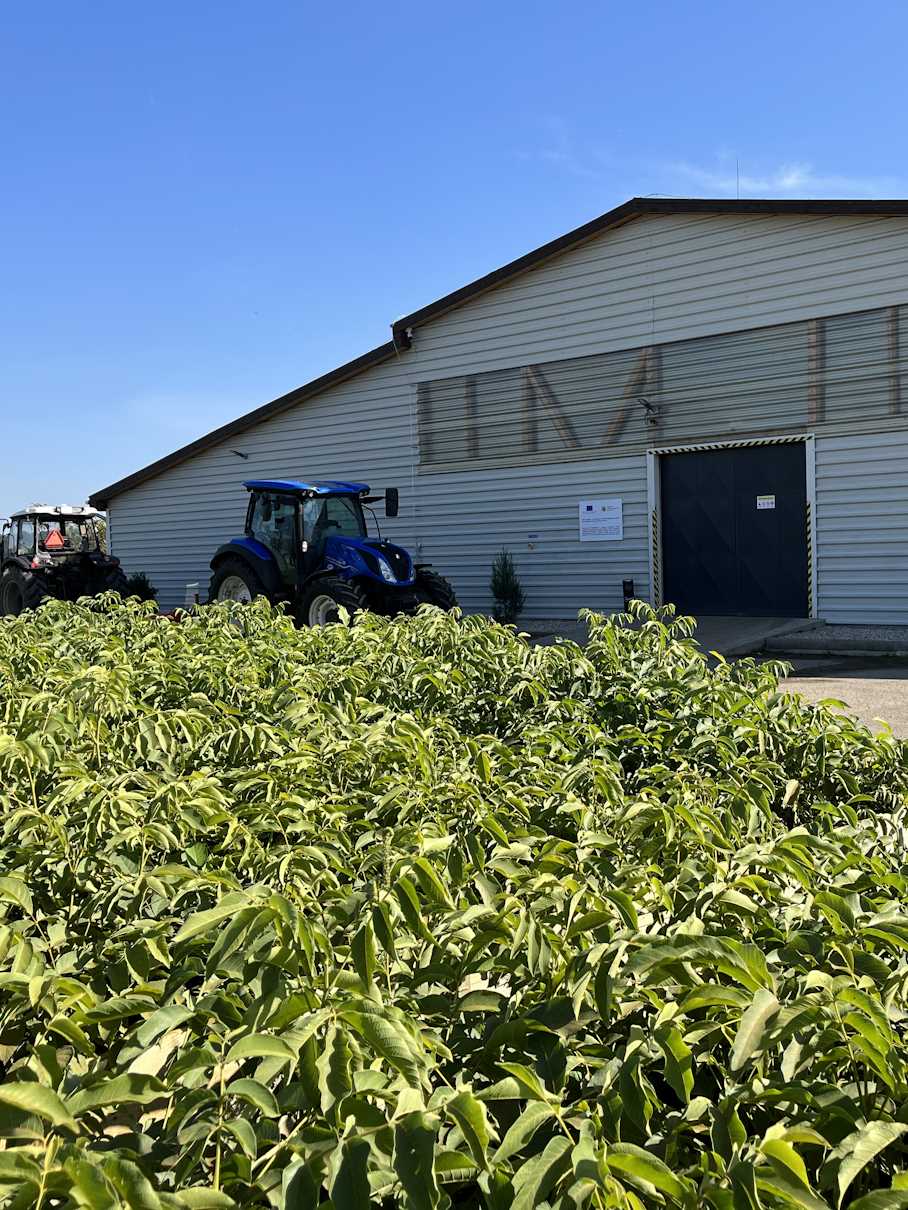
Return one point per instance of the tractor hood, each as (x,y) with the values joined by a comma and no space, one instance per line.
(366,556)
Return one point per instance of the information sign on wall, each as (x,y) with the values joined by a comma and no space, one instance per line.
(601,521)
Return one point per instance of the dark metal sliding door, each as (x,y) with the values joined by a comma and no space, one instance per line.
(734,530)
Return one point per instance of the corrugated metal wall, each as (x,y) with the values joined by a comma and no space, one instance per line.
(656,280)
(840,372)
(467,517)
(862,528)
(673,277)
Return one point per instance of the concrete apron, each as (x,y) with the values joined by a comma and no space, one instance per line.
(729,636)
(735,636)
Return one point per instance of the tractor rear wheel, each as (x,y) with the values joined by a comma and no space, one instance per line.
(234,580)
(433,589)
(321,601)
(19,590)
(116,581)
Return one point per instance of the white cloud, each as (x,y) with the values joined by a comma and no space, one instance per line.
(726,174)
(794,179)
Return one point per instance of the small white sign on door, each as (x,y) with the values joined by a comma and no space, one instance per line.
(766,501)
(601,521)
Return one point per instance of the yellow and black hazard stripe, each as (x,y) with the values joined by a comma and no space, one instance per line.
(810,603)
(728,445)
(657,559)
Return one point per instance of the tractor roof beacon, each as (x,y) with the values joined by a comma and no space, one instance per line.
(308,544)
(53,550)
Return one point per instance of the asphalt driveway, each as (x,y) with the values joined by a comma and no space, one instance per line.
(873,689)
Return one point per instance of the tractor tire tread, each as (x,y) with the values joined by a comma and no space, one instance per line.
(234,567)
(117,582)
(31,590)
(345,593)
(434,589)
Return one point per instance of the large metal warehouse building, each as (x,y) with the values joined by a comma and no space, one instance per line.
(705,397)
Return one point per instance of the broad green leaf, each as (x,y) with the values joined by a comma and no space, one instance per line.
(259,1046)
(89,1186)
(860,1147)
(299,1188)
(256,1094)
(752,1027)
(131,1183)
(128,1088)
(167,1018)
(470,1116)
(384,929)
(66,1028)
(625,906)
(528,1080)
(411,907)
(783,1185)
(630,1160)
(388,1039)
(745,964)
(203,922)
(481,1001)
(244,1134)
(536,1178)
(522,1130)
(362,950)
(508,1089)
(783,1152)
(350,1188)
(41,1101)
(199,1197)
(430,882)
(483,766)
(334,1068)
(882,1199)
(14,890)
(678,1061)
(119,1008)
(414,1160)
(16,1166)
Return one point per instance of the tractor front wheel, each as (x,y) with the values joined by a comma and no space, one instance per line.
(321,601)
(234,580)
(19,590)
(433,589)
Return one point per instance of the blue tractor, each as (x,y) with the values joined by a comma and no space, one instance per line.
(307,544)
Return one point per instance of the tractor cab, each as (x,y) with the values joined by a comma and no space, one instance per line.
(53,551)
(308,544)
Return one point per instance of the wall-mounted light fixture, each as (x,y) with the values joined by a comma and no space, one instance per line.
(652,412)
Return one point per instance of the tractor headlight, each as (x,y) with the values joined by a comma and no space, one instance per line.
(386,573)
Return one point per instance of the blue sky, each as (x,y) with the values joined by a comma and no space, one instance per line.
(205,205)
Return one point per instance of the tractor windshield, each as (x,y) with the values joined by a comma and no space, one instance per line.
(67,535)
(339,516)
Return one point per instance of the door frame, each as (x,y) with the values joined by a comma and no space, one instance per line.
(654,504)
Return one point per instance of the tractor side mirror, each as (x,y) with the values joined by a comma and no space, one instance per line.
(392,502)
